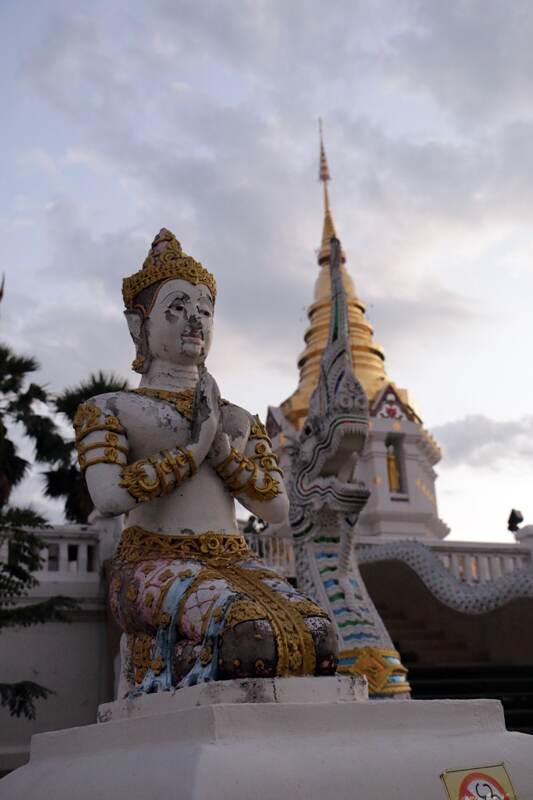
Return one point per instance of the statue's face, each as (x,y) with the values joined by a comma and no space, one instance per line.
(180,324)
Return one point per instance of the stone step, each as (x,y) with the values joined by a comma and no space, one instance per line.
(418,634)
(430,644)
(514,701)
(247,741)
(437,657)
(479,670)
(471,684)
(512,685)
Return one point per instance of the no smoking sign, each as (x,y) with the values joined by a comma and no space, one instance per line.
(479,783)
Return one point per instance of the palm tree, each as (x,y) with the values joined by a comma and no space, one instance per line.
(19,405)
(64,479)
(16,581)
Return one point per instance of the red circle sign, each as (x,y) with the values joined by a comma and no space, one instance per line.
(480,786)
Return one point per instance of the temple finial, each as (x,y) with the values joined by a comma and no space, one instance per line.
(328,229)
(324,169)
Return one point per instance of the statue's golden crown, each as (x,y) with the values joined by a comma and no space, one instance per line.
(166,260)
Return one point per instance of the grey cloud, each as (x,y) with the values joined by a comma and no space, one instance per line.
(68,339)
(239,156)
(30,493)
(258,292)
(228,171)
(82,66)
(418,185)
(474,58)
(433,310)
(478,441)
(78,326)
(82,258)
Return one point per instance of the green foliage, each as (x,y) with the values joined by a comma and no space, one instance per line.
(19,404)
(12,466)
(16,580)
(20,697)
(13,370)
(99,383)
(64,480)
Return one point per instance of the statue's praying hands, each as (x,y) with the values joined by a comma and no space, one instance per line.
(194,602)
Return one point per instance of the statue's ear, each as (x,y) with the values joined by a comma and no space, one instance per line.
(137,330)
(135,323)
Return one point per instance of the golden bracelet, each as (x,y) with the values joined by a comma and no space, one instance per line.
(267,492)
(135,479)
(190,458)
(267,460)
(270,490)
(243,463)
(258,431)
(162,467)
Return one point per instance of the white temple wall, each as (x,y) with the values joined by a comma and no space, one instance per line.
(412,512)
(72,659)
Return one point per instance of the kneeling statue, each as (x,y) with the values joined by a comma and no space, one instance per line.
(193,602)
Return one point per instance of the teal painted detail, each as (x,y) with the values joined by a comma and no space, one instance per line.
(354,622)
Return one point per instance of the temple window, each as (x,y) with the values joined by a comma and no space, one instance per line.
(91,560)
(53,557)
(72,551)
(395,465)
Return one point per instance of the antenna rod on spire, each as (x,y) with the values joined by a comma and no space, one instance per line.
(323,174)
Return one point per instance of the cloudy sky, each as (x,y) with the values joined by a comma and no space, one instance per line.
(123,117)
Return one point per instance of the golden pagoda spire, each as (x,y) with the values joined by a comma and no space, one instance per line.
(328,228)
(367,356)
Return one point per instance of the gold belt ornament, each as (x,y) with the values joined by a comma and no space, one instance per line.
(215,549)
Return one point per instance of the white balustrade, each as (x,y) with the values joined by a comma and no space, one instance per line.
(469,562)
(473,562)
(72,554)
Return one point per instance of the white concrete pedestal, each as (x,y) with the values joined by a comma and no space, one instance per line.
(283,739)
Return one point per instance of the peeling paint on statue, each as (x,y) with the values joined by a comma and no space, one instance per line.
(193,602)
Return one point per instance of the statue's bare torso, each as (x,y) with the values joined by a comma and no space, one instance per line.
(200,504)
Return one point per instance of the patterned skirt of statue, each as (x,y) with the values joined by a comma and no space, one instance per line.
(204,607)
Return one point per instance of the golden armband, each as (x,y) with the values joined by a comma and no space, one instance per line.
(240,475)
(236,471)
(258,431)
(266,459)
(263,455)
(90,419)
(143,486)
